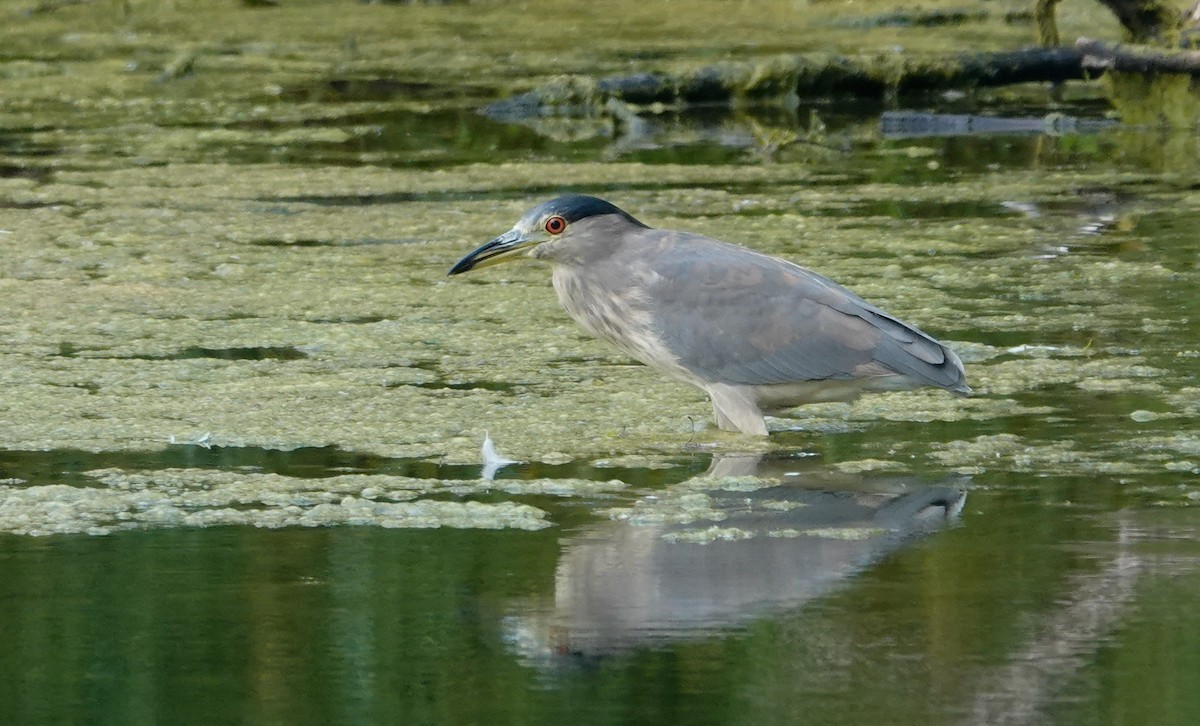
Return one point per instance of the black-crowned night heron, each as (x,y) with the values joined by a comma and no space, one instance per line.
(754,332)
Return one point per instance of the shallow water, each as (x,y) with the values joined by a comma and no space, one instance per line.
(241,475)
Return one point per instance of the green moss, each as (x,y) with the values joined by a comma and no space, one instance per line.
(149,219)
(839,533)
(200,498)
(1160,100)
(157,261)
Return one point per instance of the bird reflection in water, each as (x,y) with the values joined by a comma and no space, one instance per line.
(650,576)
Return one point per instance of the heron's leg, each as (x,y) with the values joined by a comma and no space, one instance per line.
(736,409)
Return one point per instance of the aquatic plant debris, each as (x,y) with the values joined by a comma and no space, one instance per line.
(843,533)
(293,200)
(692,501)
(122,500)
(388,329)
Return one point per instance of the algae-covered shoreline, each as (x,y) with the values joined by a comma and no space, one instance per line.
(115,282)
(240,235)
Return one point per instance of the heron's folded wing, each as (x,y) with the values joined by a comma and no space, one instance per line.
(735,316)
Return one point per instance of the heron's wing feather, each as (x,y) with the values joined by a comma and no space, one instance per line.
(736,316)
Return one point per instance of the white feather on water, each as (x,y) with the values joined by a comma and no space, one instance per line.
(492,459)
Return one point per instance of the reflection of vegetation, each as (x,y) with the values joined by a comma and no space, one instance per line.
(1047,25)
(772,141)
(1147,21)
(1156,100)
(377,626)
(239,624)
(1164,150)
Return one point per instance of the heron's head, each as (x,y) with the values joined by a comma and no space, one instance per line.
(562,220)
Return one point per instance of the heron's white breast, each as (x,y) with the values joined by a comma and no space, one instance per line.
(619,315)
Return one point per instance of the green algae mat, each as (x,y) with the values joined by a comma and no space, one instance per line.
(243,410)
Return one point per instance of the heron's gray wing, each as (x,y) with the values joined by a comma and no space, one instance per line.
(736,316)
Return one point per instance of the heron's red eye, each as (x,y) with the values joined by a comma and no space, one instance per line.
(556,225)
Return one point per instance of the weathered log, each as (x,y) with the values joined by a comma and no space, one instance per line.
(1004,68)
(790,78)
(1137,59)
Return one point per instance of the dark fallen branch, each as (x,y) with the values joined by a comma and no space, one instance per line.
(1137,59)
(787,79)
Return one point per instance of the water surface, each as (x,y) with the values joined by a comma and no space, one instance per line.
(241,476)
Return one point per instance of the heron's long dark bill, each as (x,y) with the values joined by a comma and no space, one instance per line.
(504,247)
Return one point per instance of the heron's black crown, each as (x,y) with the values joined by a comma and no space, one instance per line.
(574,207)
